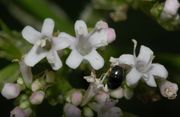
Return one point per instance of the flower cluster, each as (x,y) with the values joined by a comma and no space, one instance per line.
(102,94)
(83,46)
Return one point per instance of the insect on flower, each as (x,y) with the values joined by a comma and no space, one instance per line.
(116,77)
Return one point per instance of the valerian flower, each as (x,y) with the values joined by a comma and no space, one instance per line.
(168,89)
(170,9)
(45,45)
(141,66)
(84,45)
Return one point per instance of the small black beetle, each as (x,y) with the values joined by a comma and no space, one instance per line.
(115,77)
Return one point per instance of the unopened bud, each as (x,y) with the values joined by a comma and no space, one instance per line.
(37,85)
(18,112)
(168,89)
(102,97)
(101,25)
(117,93)
(10,90)
(71,111)
(76,97)
(37,97)
(170,8)
(88,112)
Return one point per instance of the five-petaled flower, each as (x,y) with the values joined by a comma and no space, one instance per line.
(84,45)
(45,45)
(141,67)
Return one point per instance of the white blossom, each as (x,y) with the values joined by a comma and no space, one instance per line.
(141,66)
(10,90)
(45,45)
(170,9)
(84,45)
(168,89)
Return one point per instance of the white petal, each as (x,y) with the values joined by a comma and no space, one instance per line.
(48,27)
(133,77)
(80,28)
(64,40)
(158,70)
(74,59)
(31,35)
(54,60)
(34,56)
(150,81)
(145,54)
(95,59)
(102,37)
(126,60)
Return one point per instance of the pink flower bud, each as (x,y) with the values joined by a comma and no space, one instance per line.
(10,90)
(37,97)
(76,98)
(111,35)
(71,111)
(18,112)
(168,89)
(101,97)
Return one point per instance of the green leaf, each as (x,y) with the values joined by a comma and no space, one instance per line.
(9,74)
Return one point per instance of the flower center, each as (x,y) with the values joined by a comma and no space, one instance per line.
(46,43)
(83,46)
(141,66)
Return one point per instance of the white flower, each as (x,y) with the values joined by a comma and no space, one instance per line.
(168,89)
(10,90)
(45,45)
(84,45)
(142,67)
(170,9)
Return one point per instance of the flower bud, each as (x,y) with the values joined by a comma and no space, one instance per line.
(101,25)
(117,93)
(37,85)
(10,90)
(18,112)
(170,8)
(168,89)
(71,111)
(101,97)
(88,112)
(37,97)
(76,97)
